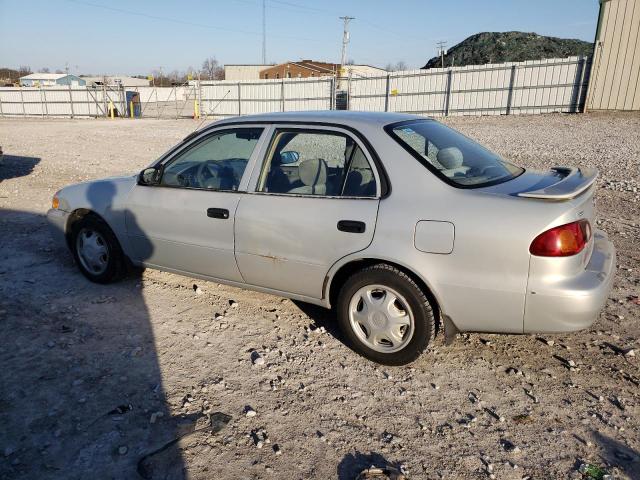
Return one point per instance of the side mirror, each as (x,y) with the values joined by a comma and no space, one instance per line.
(289,157)
(150,176)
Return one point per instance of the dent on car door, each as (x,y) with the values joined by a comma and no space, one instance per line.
(289,233)
(185,223)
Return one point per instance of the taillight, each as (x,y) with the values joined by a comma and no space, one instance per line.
(562,241)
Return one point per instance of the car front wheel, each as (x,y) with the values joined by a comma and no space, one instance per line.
(385,315)
(96,250)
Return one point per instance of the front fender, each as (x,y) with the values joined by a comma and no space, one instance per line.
(106,198)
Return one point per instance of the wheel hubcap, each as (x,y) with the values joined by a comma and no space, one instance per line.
(92,251)
(381,318)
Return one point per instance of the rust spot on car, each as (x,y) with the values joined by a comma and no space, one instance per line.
(272,257)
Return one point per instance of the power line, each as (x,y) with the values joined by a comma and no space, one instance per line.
(183,22)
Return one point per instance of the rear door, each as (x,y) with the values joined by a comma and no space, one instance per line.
(313,201)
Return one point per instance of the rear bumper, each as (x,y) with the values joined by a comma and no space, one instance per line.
(568,304)
(57,225)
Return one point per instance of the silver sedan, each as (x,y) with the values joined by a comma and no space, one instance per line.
(398,222)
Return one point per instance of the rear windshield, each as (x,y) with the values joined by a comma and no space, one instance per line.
(454,157)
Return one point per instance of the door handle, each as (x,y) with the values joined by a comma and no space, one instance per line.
(352,226)
(218,213)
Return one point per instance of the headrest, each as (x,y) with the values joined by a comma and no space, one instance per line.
(313,171)
(450,157)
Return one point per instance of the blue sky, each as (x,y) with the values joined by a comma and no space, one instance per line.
(136,37)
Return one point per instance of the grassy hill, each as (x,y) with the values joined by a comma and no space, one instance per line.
(498,47)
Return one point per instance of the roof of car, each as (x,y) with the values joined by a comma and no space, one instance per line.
(340,117)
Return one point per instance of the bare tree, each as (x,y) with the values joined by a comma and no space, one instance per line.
(401,65)
(44,70)
(24,70)
(59,71)
(212,70)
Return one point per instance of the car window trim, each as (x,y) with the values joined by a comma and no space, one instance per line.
(370,152)
(193,139)
(389,128)
(312,127)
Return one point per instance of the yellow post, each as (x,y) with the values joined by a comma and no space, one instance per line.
(196,109)
(111,109)
(131,108)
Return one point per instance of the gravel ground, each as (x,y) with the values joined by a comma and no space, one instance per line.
(95,378)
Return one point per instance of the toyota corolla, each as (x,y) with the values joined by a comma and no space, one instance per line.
(397,222)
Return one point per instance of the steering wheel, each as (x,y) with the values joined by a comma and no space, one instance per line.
(210,166)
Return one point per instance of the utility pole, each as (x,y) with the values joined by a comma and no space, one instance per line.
(345,39)
(441,49)
(264,32)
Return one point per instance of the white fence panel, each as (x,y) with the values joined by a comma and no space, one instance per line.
(539,86)
(57,101)
(307,94)
(226,98)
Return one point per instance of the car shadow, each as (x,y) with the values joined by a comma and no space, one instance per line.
(81,389)
(354,463)
(321,317)
(619,455)
(14,166)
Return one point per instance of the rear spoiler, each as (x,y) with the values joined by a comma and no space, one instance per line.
(574,181)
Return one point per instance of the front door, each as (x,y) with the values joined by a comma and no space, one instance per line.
(315,200)
(186,222)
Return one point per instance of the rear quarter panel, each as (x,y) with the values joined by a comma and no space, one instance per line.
(481,285)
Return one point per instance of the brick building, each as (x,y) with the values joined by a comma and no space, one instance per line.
(301,69)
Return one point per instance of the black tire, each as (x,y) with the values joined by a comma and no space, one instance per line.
(115,263)
(423,313)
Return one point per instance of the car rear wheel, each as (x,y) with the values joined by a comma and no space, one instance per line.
(96,250)
(385,315)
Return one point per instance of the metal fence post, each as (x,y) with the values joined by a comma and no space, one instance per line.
(104,100)
(447,97)
(24,112)
(577,96)
(176,97)
(155,90)
(123,99)
(199,97)
(282,95)
(510,94)
(46,107)
(386,96)
(239,101)
(333,85)
(348,102)
(70,99)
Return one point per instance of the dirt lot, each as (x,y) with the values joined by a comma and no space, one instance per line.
(93,378)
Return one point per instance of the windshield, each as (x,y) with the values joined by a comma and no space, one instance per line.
(451,155)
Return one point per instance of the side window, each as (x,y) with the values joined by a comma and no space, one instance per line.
(322,163)
(215,163)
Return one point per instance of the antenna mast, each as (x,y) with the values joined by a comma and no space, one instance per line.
(264,32)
